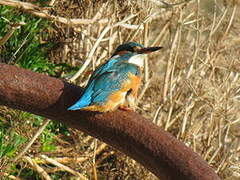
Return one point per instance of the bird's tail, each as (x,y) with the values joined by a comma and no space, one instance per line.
(85,100)
(79,105)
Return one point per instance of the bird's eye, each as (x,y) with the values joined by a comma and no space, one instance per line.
(136,49)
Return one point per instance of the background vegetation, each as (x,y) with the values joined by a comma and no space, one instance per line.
(191,88)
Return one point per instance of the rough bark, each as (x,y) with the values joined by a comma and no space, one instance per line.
(128,132)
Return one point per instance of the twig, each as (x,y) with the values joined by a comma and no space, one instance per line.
(94,161)
(65,160)
(219,22)
(197,42)
(101,148)
(89,58)
(36,167)
(156,114)
(169,67)
(13,27)
(41,12)
(9,176)
(51,3)
(131,26)
(146,66)
(168,88)
(104,156)
(161,34)
(231,20)
(168,5)
(66,168)
(40,130)
(145,87)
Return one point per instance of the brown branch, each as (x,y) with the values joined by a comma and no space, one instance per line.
(43,13)
(129,132)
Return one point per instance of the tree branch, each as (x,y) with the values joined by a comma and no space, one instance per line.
(129,132)
(43,13)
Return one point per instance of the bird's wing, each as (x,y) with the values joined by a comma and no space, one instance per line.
(86,97)
(111,82)
(100,87)
(103,68)
(109,65)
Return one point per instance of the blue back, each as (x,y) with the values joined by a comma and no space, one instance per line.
(110,64)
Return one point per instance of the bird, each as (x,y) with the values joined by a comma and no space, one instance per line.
(115,83)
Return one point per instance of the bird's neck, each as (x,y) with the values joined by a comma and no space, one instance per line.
(137,60)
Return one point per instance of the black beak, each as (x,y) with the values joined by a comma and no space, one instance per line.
(148,50)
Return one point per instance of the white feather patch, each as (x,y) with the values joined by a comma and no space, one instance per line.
(137,60)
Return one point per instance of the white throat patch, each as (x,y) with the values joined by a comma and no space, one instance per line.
(137,60)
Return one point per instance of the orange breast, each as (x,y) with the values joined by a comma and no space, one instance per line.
(118,98)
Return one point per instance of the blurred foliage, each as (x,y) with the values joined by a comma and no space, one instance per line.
(9,142)
(25,49)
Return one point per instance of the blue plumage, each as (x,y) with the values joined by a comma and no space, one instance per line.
(85,100)
(110,64)
(107,79)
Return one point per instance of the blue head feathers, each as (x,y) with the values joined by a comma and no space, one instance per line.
(128,47)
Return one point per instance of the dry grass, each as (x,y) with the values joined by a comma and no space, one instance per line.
(190,89)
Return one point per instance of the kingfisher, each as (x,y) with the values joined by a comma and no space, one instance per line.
(115,83)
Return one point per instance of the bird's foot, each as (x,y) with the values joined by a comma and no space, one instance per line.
(126,108)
